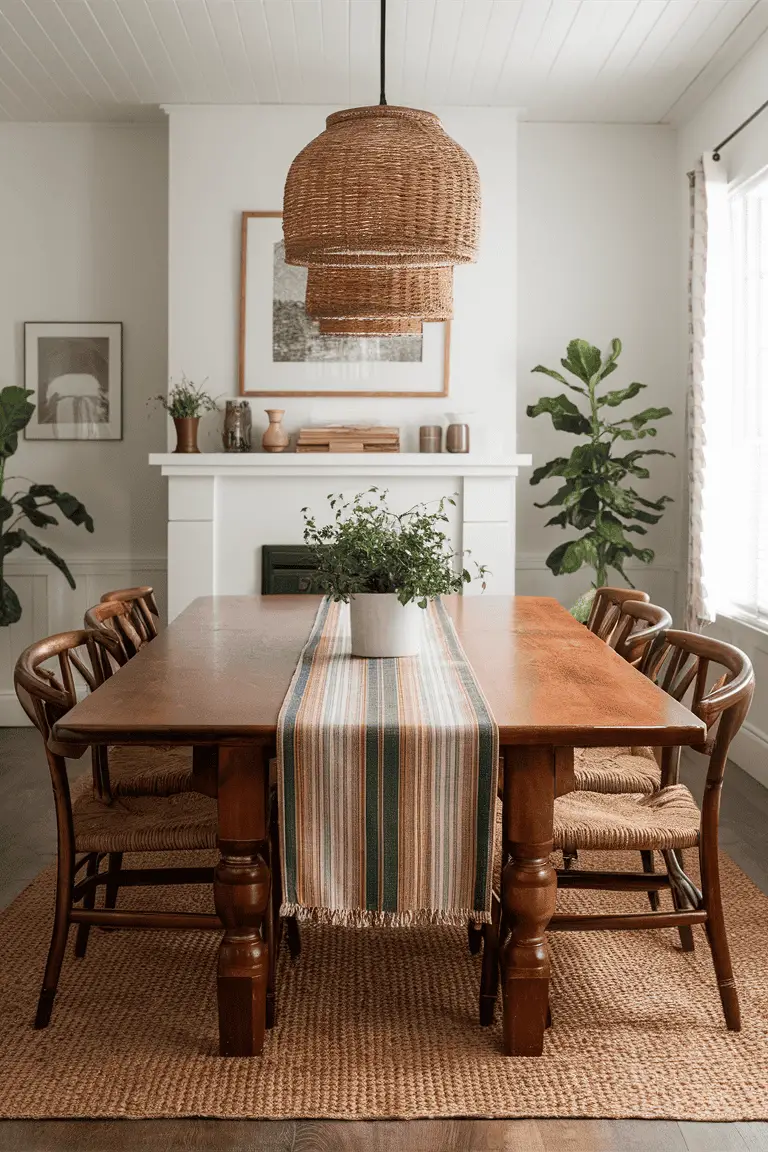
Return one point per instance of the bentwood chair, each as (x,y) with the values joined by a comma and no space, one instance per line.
(668,821)
(143,605)
(606,609)
(88,828)
(126,770)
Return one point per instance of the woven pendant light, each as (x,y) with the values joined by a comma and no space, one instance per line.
(376,327)
(382,187)
(379,293)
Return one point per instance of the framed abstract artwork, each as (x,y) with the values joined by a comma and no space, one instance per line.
(75,372)
(283,354)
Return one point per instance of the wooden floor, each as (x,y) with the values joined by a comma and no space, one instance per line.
(27,843)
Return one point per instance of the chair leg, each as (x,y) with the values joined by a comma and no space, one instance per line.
(685,931)
(474,937)
(81,940)
(718,943)
(113,884)
(64,881)
(653,897)
(270,925)
(292,936)
(489,976)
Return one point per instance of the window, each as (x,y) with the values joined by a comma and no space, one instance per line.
(743,423)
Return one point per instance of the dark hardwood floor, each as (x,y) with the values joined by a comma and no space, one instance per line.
(27,844)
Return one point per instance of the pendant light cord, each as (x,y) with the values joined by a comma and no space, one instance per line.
(383,51)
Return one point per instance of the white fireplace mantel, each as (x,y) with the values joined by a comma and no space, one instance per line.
(222,507)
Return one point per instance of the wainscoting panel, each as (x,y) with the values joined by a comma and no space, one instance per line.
(49,605)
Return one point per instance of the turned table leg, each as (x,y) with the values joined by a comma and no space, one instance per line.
(241,893)
(528,888)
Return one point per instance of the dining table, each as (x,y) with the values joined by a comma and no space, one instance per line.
(216,679)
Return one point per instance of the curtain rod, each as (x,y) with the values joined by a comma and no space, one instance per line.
(741,127)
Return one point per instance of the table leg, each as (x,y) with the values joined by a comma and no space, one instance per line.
(528,887)
(241,893)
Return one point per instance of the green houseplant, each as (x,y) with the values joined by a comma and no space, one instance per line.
(185,404)
(29,503)
(388,566)
(597,497)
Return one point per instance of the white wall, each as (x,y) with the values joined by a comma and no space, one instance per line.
(599,235)
(83,236)
(224,160)
(743,90)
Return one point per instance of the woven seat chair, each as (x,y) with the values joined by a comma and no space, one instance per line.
(127,770)
(668,821)
(89,828)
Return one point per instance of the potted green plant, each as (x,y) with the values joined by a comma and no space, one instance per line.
(594,497)
(27,503)
(185,404)
(386,566)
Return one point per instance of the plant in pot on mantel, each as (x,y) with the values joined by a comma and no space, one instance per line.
(185,404)
(594,497)
(386,566)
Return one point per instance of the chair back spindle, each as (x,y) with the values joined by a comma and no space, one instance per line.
(606,609)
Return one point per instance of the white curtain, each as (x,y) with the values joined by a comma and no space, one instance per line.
(708,385)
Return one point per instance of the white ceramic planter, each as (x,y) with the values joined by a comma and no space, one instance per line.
(382,626)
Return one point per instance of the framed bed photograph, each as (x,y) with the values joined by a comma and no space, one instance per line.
(283,354)
(75,372)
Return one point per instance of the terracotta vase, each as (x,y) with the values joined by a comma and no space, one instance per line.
(275,439)
(186,433)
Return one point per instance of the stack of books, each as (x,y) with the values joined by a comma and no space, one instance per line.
(348,438)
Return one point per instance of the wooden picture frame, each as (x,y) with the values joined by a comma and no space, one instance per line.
(75,371)
(439,358)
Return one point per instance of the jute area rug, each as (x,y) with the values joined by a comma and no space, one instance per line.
(377,1023)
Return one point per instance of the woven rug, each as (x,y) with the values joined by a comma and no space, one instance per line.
(387,773)
(379,1022)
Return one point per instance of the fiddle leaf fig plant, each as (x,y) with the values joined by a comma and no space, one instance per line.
(597,496)
(30,504)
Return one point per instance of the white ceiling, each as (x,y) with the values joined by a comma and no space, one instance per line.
(605,60)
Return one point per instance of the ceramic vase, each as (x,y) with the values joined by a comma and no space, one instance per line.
(275,439)
(382,626)
(186,433)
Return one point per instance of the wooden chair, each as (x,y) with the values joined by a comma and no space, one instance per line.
(89,828)
(127,770)
(668,821)
(606,609)
(144,608)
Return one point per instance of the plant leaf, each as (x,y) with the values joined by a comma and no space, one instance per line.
(560,379)
(6,510)
(566,417)
(67,504)
(49,554)
(10,608)
(15,413)
(9,542)
(553,468)
(34,514)
(583,359)
(613,399)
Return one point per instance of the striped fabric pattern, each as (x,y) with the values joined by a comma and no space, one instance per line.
(387,776)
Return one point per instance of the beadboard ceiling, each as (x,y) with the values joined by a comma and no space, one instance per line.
(600,60)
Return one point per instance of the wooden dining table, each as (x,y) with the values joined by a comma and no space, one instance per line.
(216,678)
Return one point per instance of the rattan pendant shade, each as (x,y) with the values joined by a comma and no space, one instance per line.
(395,326)
(380,293)
(382,186)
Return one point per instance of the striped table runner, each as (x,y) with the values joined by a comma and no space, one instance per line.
(387,776)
